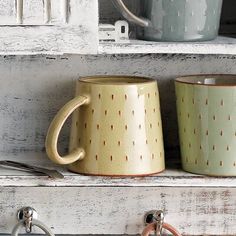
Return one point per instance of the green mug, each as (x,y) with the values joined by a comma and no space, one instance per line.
(206,107)
(176,20)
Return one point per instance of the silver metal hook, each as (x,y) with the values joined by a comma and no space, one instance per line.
(27,217)
(155,216)
(27,214)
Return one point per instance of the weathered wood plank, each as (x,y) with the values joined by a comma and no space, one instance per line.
(221,45)
(33,88)
(46,40)
(49,27)
(33,12)
(120,210)
(7,12)
(169,178)
(173,176)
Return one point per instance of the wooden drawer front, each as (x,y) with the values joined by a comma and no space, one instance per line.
(48,26)
(120,210)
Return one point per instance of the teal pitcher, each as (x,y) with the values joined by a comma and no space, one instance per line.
(175,20)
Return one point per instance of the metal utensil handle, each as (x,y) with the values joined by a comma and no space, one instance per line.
(38,223)
(152,227)
(19,165)
(119,4)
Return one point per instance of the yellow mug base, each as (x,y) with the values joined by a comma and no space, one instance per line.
(117,175)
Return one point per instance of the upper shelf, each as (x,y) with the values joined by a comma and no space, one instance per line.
(29,27)
(172,177)
(221,45)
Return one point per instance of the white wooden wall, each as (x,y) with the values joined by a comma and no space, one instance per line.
(33,88)
(48,27)
(111,210)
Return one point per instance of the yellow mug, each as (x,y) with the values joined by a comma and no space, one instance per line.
(116,131)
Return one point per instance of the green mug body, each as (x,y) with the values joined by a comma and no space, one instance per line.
(206,109)
(181,20)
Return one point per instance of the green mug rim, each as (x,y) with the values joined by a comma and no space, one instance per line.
(198,79)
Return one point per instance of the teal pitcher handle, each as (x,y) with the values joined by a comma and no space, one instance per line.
(119,4)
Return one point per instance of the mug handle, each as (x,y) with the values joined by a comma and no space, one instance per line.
(54,131)
(129,15)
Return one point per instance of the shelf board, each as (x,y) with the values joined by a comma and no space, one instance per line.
(172,177)
(221,45)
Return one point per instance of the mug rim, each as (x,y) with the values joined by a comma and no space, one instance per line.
(97,79)
(186,79)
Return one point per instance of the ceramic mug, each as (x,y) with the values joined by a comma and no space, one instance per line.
(206,106)
(116,131)
(176,20)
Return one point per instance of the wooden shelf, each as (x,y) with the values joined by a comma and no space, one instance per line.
(172,177)
(51,29)
(221,45)
(104,200)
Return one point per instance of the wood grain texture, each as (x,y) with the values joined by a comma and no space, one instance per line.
(173,176)
(33,88)
(46,40)
(120,210)
(33,12)
(50,27)
(7,12)
(221,45)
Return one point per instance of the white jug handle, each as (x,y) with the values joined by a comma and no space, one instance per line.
(119,4)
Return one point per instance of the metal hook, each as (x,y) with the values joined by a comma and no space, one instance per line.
(27,217)
(155,216)
(27,214)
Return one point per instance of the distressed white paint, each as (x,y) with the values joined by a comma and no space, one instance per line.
(38,12)
(221,45)
(173,176)
(33,12)
(57,12)
(120,210)
(82,17)
(7,11)
(46,40)
(33,88)
(50,27)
